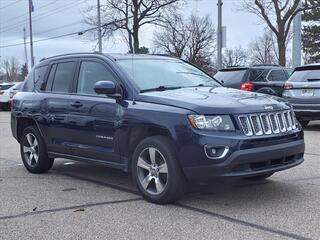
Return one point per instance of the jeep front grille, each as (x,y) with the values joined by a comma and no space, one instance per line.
(267,123)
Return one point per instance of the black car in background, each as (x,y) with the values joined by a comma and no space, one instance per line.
(268,79)
(302,90)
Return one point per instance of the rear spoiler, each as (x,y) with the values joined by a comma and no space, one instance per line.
(307,67)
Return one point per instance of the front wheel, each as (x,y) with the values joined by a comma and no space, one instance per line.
(156,171)
(34,152)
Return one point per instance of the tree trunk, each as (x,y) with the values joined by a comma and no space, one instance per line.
(130,42)
(136,38)
(282,52)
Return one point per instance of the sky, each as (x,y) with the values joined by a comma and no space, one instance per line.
(58,17)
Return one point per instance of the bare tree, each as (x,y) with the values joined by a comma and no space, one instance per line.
(173,38)
(235,57)
(278,15)
(192,39)
(11,69)
(263,50)
(128,16)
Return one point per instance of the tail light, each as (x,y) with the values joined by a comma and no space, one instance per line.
(246,86)
(1,92)
(288,85)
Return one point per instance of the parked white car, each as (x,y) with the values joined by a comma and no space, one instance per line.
(15,89)
(5,89)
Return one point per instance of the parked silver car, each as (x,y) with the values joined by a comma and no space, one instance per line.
(302,90)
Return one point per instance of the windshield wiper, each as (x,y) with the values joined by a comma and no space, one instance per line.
(160,89)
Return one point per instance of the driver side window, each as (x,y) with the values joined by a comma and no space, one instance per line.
(90,73)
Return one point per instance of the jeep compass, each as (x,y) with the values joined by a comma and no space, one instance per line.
(160,118)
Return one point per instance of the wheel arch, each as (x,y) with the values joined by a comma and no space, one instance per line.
(23,123)
(140,132)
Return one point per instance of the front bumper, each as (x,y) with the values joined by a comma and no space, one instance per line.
(252,162)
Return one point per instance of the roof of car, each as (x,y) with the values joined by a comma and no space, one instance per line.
(114,56)
(258,66)
(314,66)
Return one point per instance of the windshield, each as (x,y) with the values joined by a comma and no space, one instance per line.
(155,73)
(305,76)
(230,77)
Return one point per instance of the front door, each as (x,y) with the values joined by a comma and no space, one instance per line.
(93,118)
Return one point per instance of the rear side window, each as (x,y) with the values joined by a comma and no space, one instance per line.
(63,77)
(305,76)
(39,77)
(277,76)
(230,77)
(258,75)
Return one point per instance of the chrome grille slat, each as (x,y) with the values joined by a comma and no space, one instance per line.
(245,125)
(256,124)
(267,123)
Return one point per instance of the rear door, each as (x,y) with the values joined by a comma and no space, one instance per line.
(94,118)
(56,105)
(269,81)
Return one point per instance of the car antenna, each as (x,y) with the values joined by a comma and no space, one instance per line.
(132,67)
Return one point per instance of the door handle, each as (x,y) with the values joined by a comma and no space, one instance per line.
(76,104)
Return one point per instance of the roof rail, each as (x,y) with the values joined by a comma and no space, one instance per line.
(261,65)
(68,54)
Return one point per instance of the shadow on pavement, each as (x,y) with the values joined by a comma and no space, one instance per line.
(216,190)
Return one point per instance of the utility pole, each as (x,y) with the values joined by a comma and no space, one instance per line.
(219,37)
(99,26)
(25,46)
(296,40)
(30,28)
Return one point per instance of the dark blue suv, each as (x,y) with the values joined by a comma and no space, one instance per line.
(158,117)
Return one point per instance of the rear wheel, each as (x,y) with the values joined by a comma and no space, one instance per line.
(34,152)
(156,171)
(260,177)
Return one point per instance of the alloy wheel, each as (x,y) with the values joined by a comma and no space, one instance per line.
(31,149)
(152,171)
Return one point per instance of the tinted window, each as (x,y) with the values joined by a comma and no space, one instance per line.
(63,77)
(39,77)
(305,76)
(278,76)
(50,77)
(28,86)
(90,73)
(6,86)
(258,75)
(230,77)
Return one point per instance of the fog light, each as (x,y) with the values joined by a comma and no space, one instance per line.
(216,152)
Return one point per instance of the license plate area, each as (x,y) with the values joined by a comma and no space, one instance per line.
(307,92)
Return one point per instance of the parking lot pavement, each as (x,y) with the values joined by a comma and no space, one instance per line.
(79,201)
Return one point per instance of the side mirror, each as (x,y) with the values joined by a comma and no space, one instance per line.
(108,88)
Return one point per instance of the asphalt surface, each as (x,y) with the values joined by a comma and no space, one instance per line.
(80,201)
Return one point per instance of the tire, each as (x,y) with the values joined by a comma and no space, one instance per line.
(260,177)
(34,151)
(165,171)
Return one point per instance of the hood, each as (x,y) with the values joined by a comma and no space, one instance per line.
(218,100)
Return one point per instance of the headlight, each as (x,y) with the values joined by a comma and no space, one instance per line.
(216,122)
